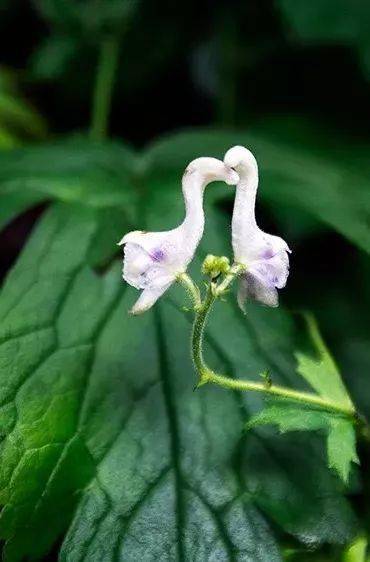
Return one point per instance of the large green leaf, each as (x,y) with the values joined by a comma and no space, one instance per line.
(95,401)
(94,174)
(102,434)
(330,183)
(101,425)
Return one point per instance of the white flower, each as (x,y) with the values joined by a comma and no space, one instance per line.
(265,256)
(153,260)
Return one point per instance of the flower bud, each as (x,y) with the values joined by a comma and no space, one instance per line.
(213,266)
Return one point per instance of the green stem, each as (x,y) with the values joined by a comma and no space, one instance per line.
(206,375)
(191,290)
(102,97)
(197,336)
(235,270)
(307,398)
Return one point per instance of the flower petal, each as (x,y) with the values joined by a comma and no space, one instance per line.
(136,262)
(251,287)
(273,271)
(147,298)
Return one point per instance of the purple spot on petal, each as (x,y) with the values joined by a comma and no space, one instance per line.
(157,255)
(267,254)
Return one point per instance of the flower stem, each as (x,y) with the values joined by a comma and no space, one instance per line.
(197,336)
(235,270)
(191,289)
(206,375)
(102,96)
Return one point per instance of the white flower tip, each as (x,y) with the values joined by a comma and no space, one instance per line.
(239,156)
(139,307)
(136,311)
(212,169)
(122,241)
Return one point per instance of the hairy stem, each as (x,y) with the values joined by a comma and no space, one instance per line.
(207,375)
(102,97)
(191,289)
(307,398)
(235,270)
(197,336)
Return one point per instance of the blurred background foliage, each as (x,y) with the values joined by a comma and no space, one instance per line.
(288,78)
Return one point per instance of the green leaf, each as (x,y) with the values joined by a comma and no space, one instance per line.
(341,438)
(341,446)
(330,21)
(295,173)
(325,379)
(78,171)
(290,418)
(98,408)
(104,436)
(322,373)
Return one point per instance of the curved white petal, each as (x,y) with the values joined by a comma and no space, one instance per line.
(136,262)
(147,298)
(143,269)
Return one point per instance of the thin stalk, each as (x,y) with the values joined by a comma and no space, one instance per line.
(103,90)
(235,270)
(307,398)
(197,336)
(191,289)
(207,375)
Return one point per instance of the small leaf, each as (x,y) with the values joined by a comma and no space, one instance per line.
(341,446)
(322,374)
(341,440)
(290,418)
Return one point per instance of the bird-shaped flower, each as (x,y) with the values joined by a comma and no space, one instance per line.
(264,256)
(153,260)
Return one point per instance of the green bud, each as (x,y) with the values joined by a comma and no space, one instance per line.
(224,264)
(213,266)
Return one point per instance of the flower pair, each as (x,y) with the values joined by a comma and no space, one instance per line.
(153,260)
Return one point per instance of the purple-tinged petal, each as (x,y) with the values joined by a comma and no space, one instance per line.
(250,287)
(157,255)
